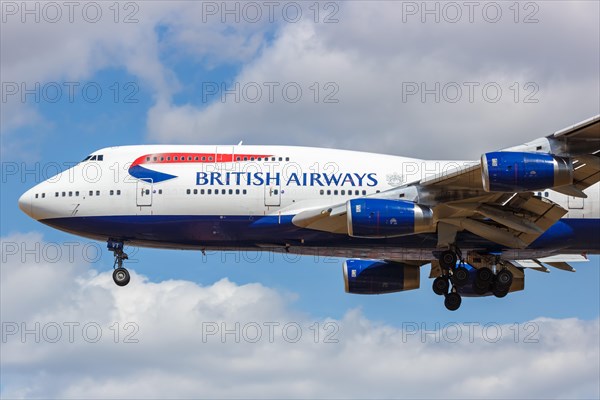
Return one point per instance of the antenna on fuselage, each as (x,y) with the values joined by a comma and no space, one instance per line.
(240,143)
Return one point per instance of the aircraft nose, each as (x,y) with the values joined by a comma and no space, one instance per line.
(25,203)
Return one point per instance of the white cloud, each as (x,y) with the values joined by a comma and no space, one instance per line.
(172,360)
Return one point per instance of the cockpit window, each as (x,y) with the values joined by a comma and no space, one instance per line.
(95,157)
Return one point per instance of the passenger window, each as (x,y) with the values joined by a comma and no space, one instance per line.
(203,158)
(147,191)
(329,192)
(546,194)
(275,191)
(287,159)
(230,191)
(55,194)
(356,192)
(118,192)
(364,192)
(36,195)
(223,191)
(64,194)
(112,192)
(195,191)
(97,193)
(209,191)
(91,192)
(335,192)
(322,191)
(189,158)
(70,194)
(196,158)
(244,191)
(343,192)
(159,191)
(43,195)
(188,191)
(237,191)
(76,194)
(245,158)
(201,191)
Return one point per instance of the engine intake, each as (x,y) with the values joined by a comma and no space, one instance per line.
(523,172)
(381,218)
(379,277)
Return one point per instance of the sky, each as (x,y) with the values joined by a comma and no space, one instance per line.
(436,80)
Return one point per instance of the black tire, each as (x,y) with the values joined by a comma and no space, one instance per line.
(460,277)
(121,276)
(483,280)
(448,259)
(441,285)
(452,301)
(504,279)
(500,292)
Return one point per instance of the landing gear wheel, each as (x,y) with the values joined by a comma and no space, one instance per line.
(452,301)
(483,280)
(499,293)
(504,278)
(441,285)
(448,259)
(460,277)
(121,276)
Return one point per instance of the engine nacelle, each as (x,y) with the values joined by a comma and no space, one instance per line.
(379,277)
(523,172)
(380,218)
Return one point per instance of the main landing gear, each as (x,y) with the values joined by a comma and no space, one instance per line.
(454,277)
(120,274)
(458,276)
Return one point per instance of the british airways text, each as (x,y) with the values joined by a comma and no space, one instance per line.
(294,179)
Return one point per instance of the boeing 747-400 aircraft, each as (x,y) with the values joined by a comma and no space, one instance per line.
(480,224)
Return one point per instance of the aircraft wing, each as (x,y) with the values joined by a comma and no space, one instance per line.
(470,198)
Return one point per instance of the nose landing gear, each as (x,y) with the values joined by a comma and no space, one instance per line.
(120,274)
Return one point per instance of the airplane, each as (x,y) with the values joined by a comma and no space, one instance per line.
(480,224)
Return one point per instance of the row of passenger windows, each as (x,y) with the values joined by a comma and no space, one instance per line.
(76,193)
(211,158)
(343,192)
(117,192)
(216,191)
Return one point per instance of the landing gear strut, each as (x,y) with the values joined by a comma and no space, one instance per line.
(120,274)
